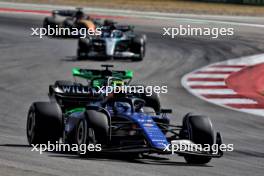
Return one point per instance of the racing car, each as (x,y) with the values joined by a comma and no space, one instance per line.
(70,19)
(115,41)
(120,123)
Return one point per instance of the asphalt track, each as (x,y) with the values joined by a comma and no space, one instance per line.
(29,64)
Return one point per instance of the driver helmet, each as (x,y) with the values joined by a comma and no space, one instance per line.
(79,14)
(123,107)
(116,34)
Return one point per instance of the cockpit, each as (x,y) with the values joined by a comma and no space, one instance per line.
(125,105)
(111,81)
(116,34)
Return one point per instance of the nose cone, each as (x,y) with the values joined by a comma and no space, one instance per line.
(110,46)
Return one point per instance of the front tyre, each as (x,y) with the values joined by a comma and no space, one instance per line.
(200,131)
(140,48)
(81,54)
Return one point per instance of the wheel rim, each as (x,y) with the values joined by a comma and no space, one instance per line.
(142,51)
(31,126)
(81,133)
(91,136)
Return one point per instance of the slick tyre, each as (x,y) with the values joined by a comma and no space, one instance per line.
(99,122)
(153,101)
(200,131)
(83,48)
(84,136)
(46,23)
(44,123)
(140,47)
(81,54)
(51,23)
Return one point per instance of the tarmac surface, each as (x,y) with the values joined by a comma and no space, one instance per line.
(29,64)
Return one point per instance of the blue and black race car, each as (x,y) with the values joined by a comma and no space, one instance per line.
(121,123)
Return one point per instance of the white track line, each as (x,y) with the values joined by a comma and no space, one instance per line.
(221,69)
(214,91)
(200,83)
(202,75)
(253,111)
(233,101)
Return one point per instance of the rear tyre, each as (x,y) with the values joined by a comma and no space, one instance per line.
(49,22)
(84,136)
(100,124)
(44,123)
(80,54)
(200,131)
(46,23)
(83,48)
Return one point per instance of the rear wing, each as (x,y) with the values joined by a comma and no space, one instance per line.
(125,28)
(64,13)
(67,13)
(69,96)
(93,74)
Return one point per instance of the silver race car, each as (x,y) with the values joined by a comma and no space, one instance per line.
(114,42)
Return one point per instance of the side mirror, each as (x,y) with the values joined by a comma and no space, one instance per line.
(166,111)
